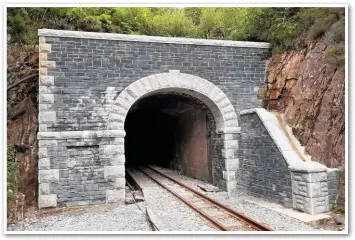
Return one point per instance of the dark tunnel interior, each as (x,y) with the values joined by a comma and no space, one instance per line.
(170,131)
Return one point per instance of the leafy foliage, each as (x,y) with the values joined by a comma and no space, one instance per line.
(12,172)
(338,209)
(283,27)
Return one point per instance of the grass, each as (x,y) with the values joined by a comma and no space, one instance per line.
(338,209)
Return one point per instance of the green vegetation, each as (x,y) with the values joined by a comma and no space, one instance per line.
(285,28)
(338,209)
(331,51)
(13,177)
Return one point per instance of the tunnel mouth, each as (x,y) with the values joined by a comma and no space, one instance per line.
(172,131)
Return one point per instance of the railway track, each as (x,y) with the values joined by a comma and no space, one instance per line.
(222,217)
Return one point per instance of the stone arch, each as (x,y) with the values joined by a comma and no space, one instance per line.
(218,103)
(215,99)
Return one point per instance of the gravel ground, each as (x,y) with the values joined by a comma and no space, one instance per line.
(175,215)
(121,218)
(275,220)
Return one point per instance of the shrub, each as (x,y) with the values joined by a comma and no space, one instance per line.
(338,209)
(330,51)
(12,170)
(336,32)
(284,28)
(321,26)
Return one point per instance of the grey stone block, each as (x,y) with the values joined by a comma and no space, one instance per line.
(113,172)
(43,163)
(47,117)
(48,135)
(47,143)
(113,196)
(44,189)
(46,176)
(120,183)
(45,201)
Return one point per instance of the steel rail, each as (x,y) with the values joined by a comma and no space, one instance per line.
(217,224)
(240,216)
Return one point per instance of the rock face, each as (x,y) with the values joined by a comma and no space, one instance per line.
(309,88)
(22,122)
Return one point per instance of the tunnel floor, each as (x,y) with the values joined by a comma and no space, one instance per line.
(170,131)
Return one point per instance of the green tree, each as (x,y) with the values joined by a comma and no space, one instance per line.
(282,27)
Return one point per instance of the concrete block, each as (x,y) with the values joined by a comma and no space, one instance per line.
(229,136)
(229,175)
(47,117)
(114,133)
(45,48)
(231,144)
(47,64)
(47,143)
(43,189)
(309,177)
(232,164)
(42,127)
(120,183)
(112,149)
(231,186)
(46,176)
(229,153)
(42,40)
(43,163)
(45,107)
(48,135)
(113,196)
(117,141)
(117,160)
(71,134)
(45,201)
(42,152)
(231,130)
(43,56)
(43,72)
(323,185)
(46,80)
(314,189)
(231,123)
(114,172)
(318,177)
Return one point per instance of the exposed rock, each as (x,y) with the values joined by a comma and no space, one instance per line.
(22,122)
(310,90)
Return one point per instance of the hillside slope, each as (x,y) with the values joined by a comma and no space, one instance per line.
(22,112)
(308,87)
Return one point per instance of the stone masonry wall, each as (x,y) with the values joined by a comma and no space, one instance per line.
(89,81)
(81,155)
(270,164)
(90,73)
(80,171)
(262,172)
(333,179)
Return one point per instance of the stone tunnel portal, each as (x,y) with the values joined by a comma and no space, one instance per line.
(106,97)
(171,131)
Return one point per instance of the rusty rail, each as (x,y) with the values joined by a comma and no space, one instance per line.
(239,216)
